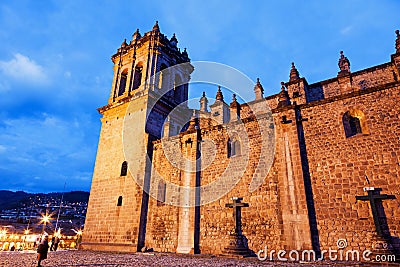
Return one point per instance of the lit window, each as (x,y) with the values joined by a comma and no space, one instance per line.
(354,123)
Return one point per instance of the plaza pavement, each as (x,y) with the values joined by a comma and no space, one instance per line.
(64,258)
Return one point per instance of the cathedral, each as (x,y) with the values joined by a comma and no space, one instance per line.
(314,164)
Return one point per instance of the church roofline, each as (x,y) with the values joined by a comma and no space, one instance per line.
(339,97)
(353,74)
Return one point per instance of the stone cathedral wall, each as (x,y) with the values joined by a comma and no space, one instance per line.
(338,165)
(271,219)
(278,213)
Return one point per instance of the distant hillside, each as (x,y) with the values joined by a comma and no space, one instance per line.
(11,200)
(73,196)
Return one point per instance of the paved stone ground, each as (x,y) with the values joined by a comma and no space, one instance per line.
(89,258)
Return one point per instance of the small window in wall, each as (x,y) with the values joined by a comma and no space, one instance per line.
(161,193)
(229,148)
(119,203)
(124,168)
(235,150)
(234,147)
(122,82)
(354,123)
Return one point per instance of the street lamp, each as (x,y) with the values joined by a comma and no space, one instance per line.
(45,219)
(78,236)
(57,232)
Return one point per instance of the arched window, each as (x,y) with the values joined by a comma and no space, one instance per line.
(354,123)
(137,81)
(119,203)
(122,82)
(236,148)
(124,168)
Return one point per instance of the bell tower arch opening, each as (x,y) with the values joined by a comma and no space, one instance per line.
(137,79)
(122,82)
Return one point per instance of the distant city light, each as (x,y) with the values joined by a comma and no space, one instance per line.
(3,232)
(45,219)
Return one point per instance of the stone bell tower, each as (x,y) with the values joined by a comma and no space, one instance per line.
(144,92)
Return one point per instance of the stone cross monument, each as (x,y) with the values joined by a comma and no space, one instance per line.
(237,241)
(383,243)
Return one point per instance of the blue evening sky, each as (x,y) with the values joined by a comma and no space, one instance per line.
(55,66)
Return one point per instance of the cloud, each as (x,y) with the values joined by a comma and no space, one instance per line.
(47,147)
(346,30)
(23,69)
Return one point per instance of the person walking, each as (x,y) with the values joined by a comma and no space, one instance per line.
(52,243)
(43,249)
(56,241)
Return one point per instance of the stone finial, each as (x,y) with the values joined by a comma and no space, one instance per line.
(124,43)
(258,89)
(136,36)
(283,97)
(294,74)
(234,109)
(397,41)
(344,63)
(234,102)
(219,96)
(192,122)
(283,88)
(173,40)
(184,53)
(203,103)
(156,28)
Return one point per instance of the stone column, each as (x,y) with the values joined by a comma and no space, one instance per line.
(186,213)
